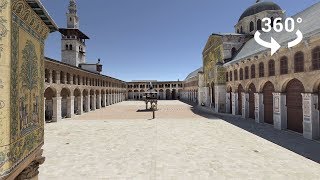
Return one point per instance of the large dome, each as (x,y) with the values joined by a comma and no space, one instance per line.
(259,7)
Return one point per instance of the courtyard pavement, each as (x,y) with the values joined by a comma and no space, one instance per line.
(123,142)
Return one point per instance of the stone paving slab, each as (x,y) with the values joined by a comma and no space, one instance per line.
(180,144)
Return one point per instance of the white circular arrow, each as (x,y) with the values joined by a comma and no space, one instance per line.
(296,41)
(274,45)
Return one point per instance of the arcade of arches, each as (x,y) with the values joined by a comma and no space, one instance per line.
(73,91)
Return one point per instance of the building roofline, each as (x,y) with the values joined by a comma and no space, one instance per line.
(75,67)
(41,11)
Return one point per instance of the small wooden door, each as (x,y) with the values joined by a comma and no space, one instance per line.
(294,106)
(268,102)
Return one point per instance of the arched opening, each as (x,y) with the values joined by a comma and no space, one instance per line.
(236,75)
(230,74)
(54,76)
(252,90)
(241,30)
(70,47)
(213,94)
(65,104)
(142,94)
(161,94)
(261,69)
(284,65)
(240,91)
(168,94)
(241,74)
(259,24)
(268,89)
(246,72)
(251,26)
(49,94)
(136,95)
(253,71)
(294,105)
(77,102)
(316,58)
(130,94)
(272,19)
(174,94)
(299,62)
(62,77)
(46,75)
(271,67)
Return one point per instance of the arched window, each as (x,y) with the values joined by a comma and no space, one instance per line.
(253,71)
(272,19)
(316,58)
(238,31)
(230,75)
(284,65)
(67,47)
(241,30)
(251,26)
(299,62)
(241,74)
(236,75)
(233,52)
(70,46)
(227,76)
(261,69)
(271,68)
(246,72)
(259,22)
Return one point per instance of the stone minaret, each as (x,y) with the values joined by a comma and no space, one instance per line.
(73,47)
(72,17)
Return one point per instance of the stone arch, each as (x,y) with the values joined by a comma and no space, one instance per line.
(168,94)
(251,26)
(161,94)
(49,94)
(47,75)
(294,103)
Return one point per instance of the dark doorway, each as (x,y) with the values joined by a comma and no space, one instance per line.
(294,105)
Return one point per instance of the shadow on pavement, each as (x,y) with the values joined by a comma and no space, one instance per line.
(287,139)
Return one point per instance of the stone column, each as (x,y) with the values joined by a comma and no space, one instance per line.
(56,107)
(310,116)
(87,103)
(70,108)
(108,99)
(103,100)
(228,110)
(94,103)
(279,111)
(98,101)
(259,107)
(65,78)
(245,105)
(80,104)
(71,79)
(44,108)
(234,103)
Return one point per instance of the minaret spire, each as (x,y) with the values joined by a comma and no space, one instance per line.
(72,17)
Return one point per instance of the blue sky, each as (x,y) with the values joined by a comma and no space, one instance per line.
(151,39)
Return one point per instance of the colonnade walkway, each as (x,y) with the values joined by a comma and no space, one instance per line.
(183,142)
